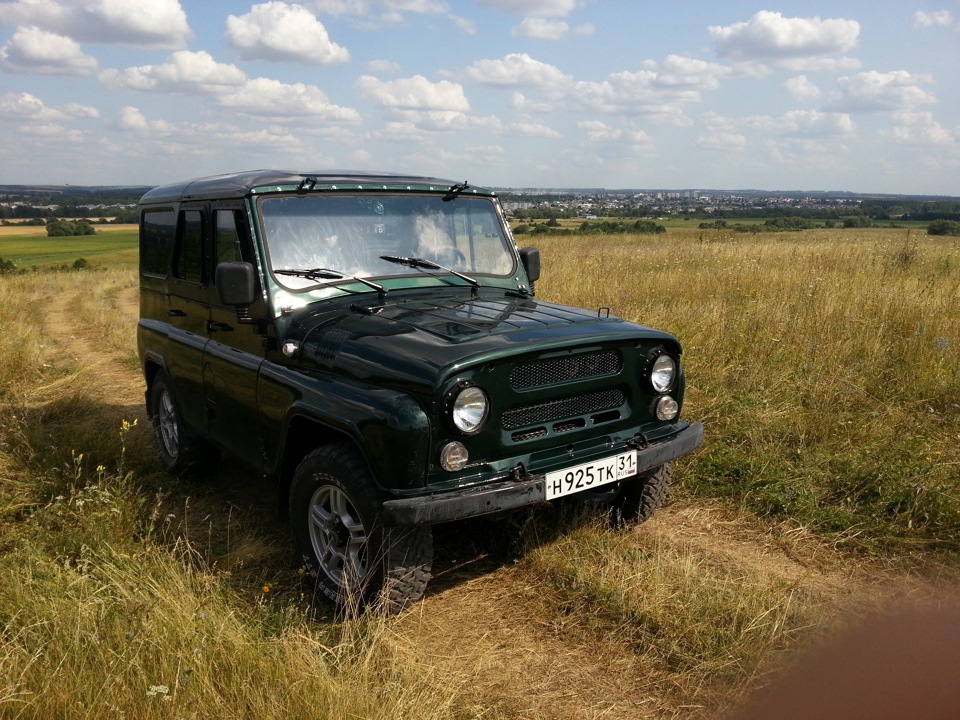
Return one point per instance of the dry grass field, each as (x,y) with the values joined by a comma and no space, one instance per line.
(825,366)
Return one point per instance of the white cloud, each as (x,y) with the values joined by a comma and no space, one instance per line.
(401,132)
(798,124)
(198,73)
(132,119)
(366,7)
(939,18)
(722,140)
(516,70)
(660,90)
(379,14)
(520,102)
(598,131)
(184,71)
(535,8)
(798,42)
(534,129)
(283,32)
(541,29)
(36,51)
(813,123)
(26,106)
(801,88)
(81,111)
(682,71)
(468,27)
(794,126)
(143,23)
(920,129)
(875,91)
(384,66)
(414,93)
(264,97)
(202,139)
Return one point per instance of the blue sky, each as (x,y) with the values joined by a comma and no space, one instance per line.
(858,96)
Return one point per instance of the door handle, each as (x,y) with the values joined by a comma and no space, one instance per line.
(176,313)
(214,326)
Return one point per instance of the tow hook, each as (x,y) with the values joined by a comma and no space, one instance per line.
(519,473)
(638,442)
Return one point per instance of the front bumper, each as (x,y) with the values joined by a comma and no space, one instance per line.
(508,494)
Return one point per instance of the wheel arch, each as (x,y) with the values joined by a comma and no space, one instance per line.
(151,368)
(303,435)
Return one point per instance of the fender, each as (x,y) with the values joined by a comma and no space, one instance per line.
(389,427)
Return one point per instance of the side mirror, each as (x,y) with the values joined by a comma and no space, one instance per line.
(237,286)
(236,283)
(530,257)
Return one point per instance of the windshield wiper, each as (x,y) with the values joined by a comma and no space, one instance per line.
(325,274)
(454,190)
(421,263)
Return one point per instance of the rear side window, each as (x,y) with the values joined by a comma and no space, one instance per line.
(157,232)
(189,261)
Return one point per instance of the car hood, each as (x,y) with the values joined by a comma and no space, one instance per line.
(419,342)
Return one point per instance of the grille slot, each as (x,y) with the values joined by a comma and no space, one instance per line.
(558,370)
(525,435)
(565,409)
(562,427)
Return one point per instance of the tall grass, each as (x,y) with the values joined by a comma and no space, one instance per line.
(825,368)
(825,364)
(113,603)
(701,623)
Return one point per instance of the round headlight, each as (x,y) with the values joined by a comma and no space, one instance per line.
(470,409)
(663,373)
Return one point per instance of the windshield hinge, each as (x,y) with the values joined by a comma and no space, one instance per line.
(455,190)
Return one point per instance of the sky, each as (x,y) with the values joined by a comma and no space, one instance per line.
(860,96)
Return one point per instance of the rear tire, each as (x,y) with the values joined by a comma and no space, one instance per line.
(181,451)
(356,562)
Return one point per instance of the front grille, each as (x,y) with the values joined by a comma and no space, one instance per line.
(558,370)
(567,408)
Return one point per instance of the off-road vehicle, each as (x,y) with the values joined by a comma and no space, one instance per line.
(371,344)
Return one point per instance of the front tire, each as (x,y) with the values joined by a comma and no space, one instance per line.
(355,561)
(632,502)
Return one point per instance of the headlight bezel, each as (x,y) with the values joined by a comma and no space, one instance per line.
(653,375)
(454,414)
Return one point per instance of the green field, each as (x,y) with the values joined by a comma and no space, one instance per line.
(111,246)
(825,365)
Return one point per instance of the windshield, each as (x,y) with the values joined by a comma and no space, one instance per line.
(348,234)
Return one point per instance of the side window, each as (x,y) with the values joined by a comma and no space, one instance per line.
(227,243)
(189,260)
(157,231)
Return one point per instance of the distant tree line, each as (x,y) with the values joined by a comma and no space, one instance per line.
(93,204)
(603,227)
(875,209)
(787,224)
(81,212)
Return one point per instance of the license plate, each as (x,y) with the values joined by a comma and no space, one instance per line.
(590,475)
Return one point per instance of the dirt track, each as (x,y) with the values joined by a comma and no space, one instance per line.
(478,624)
